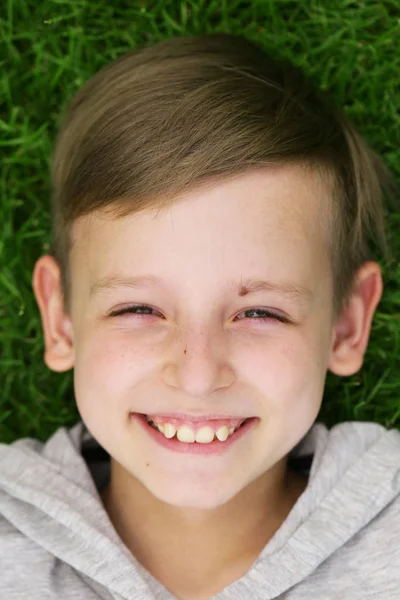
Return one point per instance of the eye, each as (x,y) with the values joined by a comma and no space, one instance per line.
(131,309)
(143,307)
(270,315)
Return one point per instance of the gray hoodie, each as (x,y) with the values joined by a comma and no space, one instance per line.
(341,539)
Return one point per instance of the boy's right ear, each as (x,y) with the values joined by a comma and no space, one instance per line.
(57,326)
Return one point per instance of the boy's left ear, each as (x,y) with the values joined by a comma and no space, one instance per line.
(351,331)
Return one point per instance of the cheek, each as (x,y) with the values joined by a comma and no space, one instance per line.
(103,368)
(294,397)
(301,380)
(289,364)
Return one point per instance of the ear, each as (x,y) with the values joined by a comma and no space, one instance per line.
(351,331)
(57,326)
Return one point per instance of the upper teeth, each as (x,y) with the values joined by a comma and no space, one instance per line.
(204,435)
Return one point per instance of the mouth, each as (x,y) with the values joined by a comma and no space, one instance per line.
(206,440)
(170,429)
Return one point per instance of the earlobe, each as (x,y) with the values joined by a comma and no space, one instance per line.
(351,331)
(57,327)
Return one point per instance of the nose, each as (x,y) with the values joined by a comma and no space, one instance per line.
(198,364)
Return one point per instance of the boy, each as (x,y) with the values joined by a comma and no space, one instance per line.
(210,263)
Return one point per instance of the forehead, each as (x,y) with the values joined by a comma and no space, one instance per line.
(280,211)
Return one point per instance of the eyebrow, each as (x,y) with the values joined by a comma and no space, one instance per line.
(242,287)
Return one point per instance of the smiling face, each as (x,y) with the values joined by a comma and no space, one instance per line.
(260,225)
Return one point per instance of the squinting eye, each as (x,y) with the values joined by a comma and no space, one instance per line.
(270,314)
(130,309)
(135,310)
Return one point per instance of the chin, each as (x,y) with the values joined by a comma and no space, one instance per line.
(193,497)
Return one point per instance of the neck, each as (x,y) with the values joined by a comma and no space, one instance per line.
(183,548)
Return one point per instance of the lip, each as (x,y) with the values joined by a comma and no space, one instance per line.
(196,418)
(213,448)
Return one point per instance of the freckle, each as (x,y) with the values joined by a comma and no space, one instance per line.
(147,464)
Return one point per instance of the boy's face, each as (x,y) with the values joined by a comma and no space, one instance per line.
(199,351)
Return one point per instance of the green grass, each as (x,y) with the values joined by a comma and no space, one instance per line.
(53,46)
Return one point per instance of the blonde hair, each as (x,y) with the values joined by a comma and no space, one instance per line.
(189,111)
